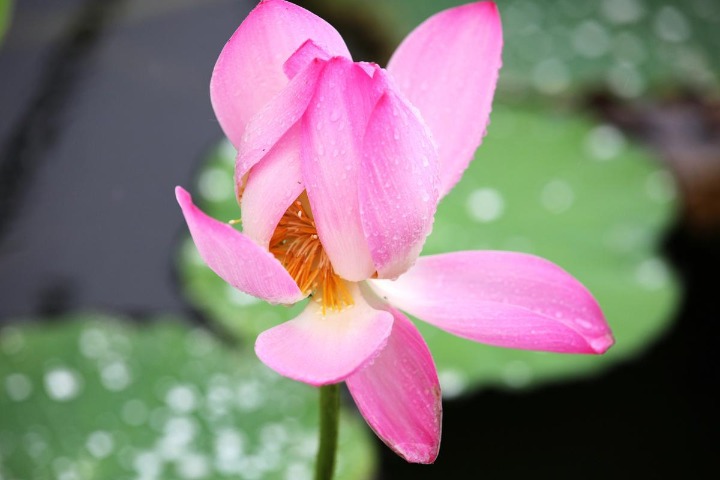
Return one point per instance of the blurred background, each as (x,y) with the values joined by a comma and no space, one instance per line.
(123,357)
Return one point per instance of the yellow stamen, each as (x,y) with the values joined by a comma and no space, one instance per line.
(296,244)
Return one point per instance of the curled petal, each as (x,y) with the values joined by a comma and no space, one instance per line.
(399,394)
(237,259)
(398,185)
(302,57)
(502,298)
(321,349)
(249,71)
(332,132)
(271,187)
(448,67)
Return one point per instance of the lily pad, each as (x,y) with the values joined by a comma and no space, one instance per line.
(91,397)
(561,47)
(558,186)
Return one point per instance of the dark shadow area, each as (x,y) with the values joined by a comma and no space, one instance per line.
(40,125)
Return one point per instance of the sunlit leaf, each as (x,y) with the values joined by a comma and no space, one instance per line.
(91,397)
(565,46)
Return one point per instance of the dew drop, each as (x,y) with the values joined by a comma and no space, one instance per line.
(652,274)
(93,343)
(605,142)
(100,444)
(18,386)
(298,471)
(148,465)
(590,39)
(622,11)
(215,185)
(227,152)
(181,399)
(193,466)
(551,76)
(485,205)
(134,412)
(671,25)
(115,376)
(557,196)
(625,80)
(452,382)
(11,340)
(517,374)
(62,384)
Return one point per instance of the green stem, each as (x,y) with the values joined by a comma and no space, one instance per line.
(329,416)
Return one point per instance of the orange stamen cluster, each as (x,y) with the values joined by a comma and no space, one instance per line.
(296,244)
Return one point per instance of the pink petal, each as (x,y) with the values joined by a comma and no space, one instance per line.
(249,71)
(333,127)
(399,394)
(502,298)
(448,67)
(398,185)
(323,349)
(271,187)
(236,258)
(302,57)
(275,118)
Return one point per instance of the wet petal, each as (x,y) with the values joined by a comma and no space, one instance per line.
(333,128)
(237,259)
(501,298)
(448,67)
(323,349)
(249,71)
(399,394)
(302,57)
(275,118)
(271,187)
(398,185)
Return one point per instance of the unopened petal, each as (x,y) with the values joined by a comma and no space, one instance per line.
(271,187)
(398,186)
(502,298)
(302,57)
(399,394)
(448,67)
(237,259)
(321,349)
(249,71)
(333,129)
(275,118)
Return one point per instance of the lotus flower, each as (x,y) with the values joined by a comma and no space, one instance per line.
(339,171)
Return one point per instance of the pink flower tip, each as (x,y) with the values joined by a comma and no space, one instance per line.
(601,344)
(417,452)
(182,195)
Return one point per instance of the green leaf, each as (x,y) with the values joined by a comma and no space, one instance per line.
(558,186)
(565,46)
(90,397)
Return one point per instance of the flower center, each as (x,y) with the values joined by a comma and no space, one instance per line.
(295,243)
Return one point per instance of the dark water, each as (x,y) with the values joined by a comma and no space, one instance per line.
(105,108)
